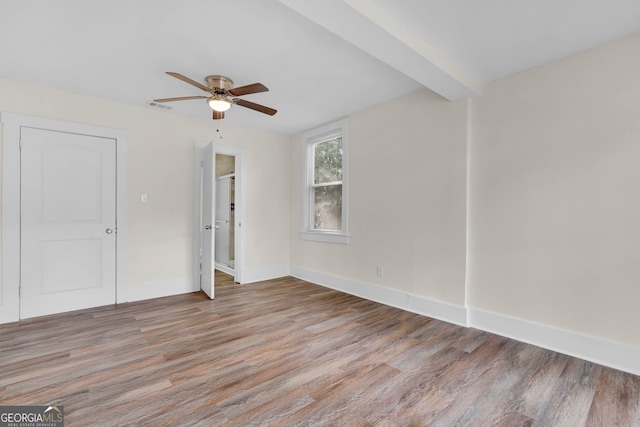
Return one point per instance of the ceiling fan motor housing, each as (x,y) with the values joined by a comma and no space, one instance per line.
(219,82)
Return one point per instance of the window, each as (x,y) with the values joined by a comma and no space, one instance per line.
(324,210)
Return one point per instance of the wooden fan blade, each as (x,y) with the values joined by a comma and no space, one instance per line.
(218,115)
(246,90)
(180,98)
(188,80)
(254,106)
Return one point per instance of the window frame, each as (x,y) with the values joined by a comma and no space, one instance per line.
(309,139)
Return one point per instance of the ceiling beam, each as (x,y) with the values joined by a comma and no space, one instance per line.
(368,26)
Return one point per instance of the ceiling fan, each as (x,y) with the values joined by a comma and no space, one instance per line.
(221,92)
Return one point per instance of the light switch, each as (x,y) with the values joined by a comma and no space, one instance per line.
(144,198)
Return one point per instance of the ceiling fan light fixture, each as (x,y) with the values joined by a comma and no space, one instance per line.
(219,103)
(222,94)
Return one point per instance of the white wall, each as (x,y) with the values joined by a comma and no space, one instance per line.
(407,169)
(160,163)
(555,205)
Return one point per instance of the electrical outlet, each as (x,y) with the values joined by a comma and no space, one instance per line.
(379,271)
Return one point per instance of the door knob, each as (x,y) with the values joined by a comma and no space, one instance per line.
(207,227)
(217,227)
(108,231)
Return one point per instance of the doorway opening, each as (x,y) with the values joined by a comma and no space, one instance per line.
(219,208)
(225,213)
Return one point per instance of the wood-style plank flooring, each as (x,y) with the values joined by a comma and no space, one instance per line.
(289,353)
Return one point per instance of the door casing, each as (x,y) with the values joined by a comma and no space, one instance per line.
(240,195)
(11,124)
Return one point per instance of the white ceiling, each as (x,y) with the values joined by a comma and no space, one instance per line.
(320,59)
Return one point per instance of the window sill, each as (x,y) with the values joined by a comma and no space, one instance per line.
(325,237)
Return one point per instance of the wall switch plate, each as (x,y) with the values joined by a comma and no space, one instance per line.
(144,198)
(379,271)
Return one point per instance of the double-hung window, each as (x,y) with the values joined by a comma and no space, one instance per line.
(324,210)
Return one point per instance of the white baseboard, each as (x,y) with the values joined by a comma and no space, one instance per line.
(623,357)
(392,297)
(125,294)
(155,290)
(250,275)
(9,311)
(616,355)
(438,310)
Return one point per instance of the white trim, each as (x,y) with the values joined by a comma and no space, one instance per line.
(339,127)
(150,290)
(440,310)
(11,124)
(265,273)
(10,286)
(416,304)
(327,237)
(122,155)
(616,355)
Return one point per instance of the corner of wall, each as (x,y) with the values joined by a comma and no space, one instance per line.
(467,276)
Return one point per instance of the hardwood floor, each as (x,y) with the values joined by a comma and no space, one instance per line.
(289,353)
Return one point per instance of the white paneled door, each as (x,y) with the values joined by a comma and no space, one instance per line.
(68,221)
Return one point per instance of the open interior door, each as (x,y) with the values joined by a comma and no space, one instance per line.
(207,274)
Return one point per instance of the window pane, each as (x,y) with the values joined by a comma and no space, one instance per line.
(327,161)
(327,208)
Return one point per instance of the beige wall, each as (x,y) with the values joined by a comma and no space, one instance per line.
(554,208)
(555,201)
(407,168)
(225,165)
(161,164)
(266,215)
(554,211)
